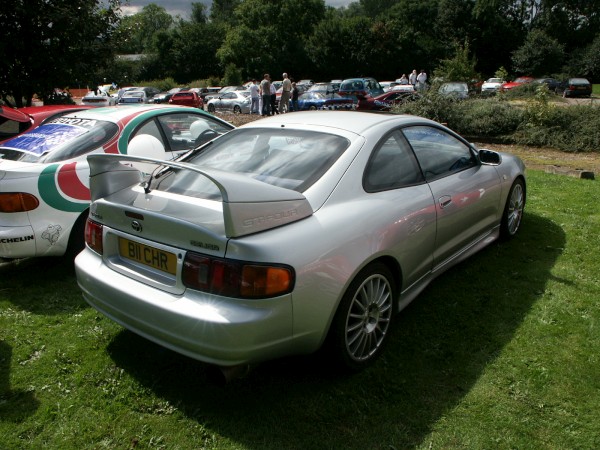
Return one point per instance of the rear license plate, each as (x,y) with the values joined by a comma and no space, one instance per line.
(148,256)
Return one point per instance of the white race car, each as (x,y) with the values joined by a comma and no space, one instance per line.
(44,174)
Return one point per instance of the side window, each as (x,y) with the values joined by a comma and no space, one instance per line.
(392,165)
(150,128)
(439,153)
(185,131)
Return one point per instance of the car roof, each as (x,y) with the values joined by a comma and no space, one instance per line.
(120,112)
(356,122)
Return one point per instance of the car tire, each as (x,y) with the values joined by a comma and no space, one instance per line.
(312,108)
(362,322)
(237,109)
(513,210)
(211,108)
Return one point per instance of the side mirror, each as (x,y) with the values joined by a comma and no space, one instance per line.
(489,157)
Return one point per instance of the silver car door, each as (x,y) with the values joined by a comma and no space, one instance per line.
(466,193)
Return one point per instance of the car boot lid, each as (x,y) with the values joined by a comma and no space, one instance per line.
(248,205)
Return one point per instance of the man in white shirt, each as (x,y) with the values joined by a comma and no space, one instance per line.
(254,97)
(421,80)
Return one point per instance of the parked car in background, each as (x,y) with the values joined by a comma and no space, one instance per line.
(14,122)
(187,98)
(236,102)
(575,87)
(491,85)
(44,190)
(100,98)
(354,87)
(327,88)
(513,84)
(221,91)
(136,96)
(388,85)
(454,89)
(552,84)
(387,100)
(164,97)
(313,100)
(292,233)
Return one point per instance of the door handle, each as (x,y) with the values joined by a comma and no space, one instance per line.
(445,201)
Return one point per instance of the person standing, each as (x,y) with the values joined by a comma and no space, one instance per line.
(273,100)
(254,96)
(286,89)
(265,95)
(412,78)
(421,80)
(295,93)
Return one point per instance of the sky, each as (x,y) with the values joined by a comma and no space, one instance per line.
(183,8)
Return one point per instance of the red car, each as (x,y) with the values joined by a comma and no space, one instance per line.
(16,121)
(384,102)
(187,98)
(518,82)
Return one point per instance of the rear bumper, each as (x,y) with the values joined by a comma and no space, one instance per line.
(212,329)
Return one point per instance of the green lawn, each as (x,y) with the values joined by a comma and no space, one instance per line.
(501,352)
(596,89)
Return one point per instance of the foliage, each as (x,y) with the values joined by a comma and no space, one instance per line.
(459,68)
(539,122)
(501,352)
(138,33)
(45,45)
(233,76)
(539,54)
(501,73)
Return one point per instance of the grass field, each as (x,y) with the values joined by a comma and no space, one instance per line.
(501,352)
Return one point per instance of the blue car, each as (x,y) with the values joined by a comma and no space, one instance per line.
(313,100)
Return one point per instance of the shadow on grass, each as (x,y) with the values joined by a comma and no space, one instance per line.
(15,405)
(44,286)
(440,347)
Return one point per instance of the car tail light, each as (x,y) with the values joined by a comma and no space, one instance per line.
(237,279)
(93,236)
(12,202)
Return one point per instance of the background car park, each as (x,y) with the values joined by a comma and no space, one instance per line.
(236,102)
(44,190)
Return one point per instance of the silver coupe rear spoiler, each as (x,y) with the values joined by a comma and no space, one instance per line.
(249,205)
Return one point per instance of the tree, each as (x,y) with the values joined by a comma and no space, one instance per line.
(539,55)
(137,33)
(51,43)
(270,36)
(461,67)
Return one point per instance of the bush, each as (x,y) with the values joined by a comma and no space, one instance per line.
(574,128)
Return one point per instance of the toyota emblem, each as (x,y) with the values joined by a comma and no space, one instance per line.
(136,226)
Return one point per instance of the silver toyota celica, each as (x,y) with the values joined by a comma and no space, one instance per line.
(291,233)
